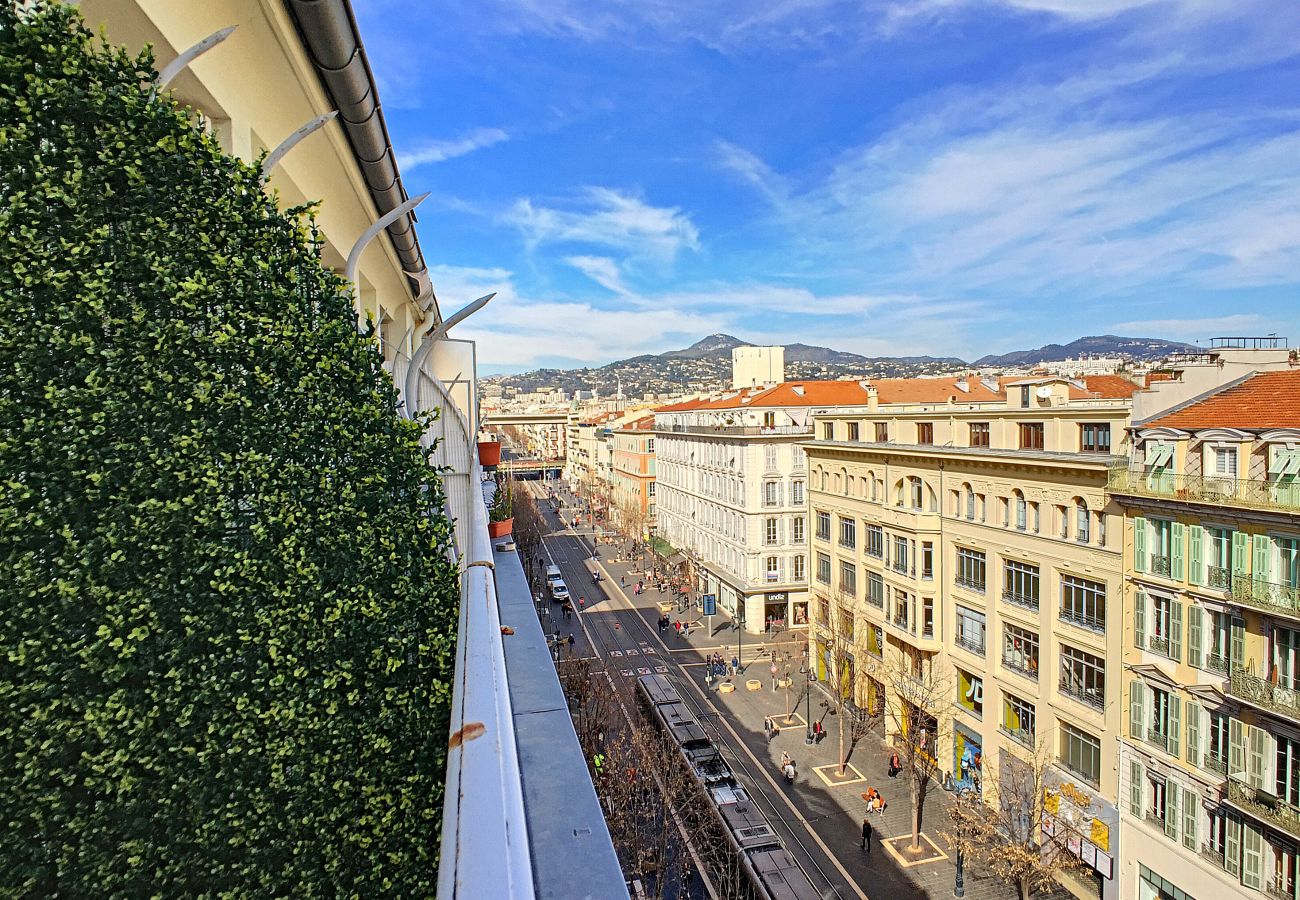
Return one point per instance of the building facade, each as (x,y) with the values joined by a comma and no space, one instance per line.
(960,526)
(634,476)
(1210,765)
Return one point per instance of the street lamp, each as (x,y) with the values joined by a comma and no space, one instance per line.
(959,887)
(808,738)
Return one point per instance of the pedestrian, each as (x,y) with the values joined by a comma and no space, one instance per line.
(686,630)
(678,626)
(582,603)
(767,728)
(735,665)
(866,835)
(789,772)
(571,643)
(622,580)
(894,766)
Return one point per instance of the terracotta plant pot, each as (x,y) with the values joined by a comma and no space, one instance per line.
(500,529)
(489,453)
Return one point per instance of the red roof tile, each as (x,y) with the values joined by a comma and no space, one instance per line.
(1264,400)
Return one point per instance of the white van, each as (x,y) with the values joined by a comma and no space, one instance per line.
(553,575)
(559,590)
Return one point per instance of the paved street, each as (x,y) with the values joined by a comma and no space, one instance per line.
(820,822)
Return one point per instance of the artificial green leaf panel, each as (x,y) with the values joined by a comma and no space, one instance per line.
(227,612)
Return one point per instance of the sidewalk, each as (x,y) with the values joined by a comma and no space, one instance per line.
(832,805)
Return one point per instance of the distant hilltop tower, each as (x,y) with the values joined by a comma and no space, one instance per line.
(752,366)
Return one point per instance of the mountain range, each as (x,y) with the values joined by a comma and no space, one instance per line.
(706,364)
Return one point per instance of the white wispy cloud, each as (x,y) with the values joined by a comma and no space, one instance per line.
(600,269)
(443,150)
(606,217)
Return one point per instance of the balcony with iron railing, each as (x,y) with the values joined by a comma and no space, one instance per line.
(1158,738)
(1217,663)
(1090,696)
(1264,806)
(1018,598)
(1158,644)
(1280,598)
(1264,694)
(971,643)
(1255,493)
(1218,578)
(1213,762)
(739,430)
(1089,621)
(1021,664)
(1160,565)
(970,584)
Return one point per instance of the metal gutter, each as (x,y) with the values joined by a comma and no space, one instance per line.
(329,33)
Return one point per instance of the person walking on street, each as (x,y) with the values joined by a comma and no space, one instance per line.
(571,642)
(866,835)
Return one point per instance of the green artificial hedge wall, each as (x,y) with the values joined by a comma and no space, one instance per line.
(227,611)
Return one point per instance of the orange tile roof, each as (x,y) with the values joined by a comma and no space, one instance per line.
(645,423)
(1109,387)
(1264,400)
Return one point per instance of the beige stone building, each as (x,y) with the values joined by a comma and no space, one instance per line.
(963,524)
(1210,768)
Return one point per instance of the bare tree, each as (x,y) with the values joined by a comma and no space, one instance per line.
(837,633)
(1002,832)
(918,699)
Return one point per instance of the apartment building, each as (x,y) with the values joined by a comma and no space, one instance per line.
(634,475)
(732,493)
(962,525)
(1210,766)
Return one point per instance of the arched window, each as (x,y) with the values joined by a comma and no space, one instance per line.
(969,493)
(1022,510)
(898,492)
(1082,531)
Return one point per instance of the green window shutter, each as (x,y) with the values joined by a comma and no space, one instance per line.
(1239,552)
(1140,619)
(1237,644)
(1195,564)
(1232,846)
(1259,567)
(1139,544)
(1137,697)
(1171,810)
(1175,726)
(1135,788)
(1191,806)
(1252,857)
(1176,631)
(1257,740)
(1193,713)
(1236,748)
(1195,655)
(1176,552)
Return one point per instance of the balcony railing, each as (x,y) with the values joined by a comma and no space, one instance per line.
(1018,663)
(1265,806)
(876,600)
(971,644)
(970,584)
(1218,578)
(1019,599)
(1158,645)
(1264,694)
(1158,739)
(1252,492)
(1216,663)
(1084,620)
(1267,596)
(1022,736)
(741,430)
(1090,696)
(1160,566)
(1215,763)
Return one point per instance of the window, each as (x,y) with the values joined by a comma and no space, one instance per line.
(1153,887)
(1081,753)
(970,502)
(1094,437)
(1020,584)
(799,564)
(773,568)
(1287,776)
(1020,650)
(770,460)
(823,526)
(848,533)
(1083,602)
(882,432)
(915,489)
(1024,396)
(848,578)
(875,640)
(1031,435)
(797,530)
(771,493)
(1082,522)
(875,590)
(970,629)
(1223,462)
(796,493)
(650,446)
(1083,676)
(875,541)
(1286,658)
(902,609)
(925,432)
(769,420)
(823,568)
(853,431)
(970,569)
(970,692)
(1216,743)
(927,559)
(1018,719)
(828,431)
(771,531)
(979,434)
(650,489)
(903,555)
(1022,512)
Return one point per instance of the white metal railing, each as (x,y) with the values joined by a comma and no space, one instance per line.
(485,849)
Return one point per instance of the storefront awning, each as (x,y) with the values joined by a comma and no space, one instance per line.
(675,560)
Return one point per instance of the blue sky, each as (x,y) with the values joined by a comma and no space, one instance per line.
(951,177)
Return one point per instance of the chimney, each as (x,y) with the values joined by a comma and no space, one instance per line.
(962,385)
(873,397)
(798,390)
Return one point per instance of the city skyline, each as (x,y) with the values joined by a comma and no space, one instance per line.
(887,179)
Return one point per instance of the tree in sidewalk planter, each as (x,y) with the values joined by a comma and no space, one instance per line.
(1002,833)
(917,701)
(229,608)
(845,681)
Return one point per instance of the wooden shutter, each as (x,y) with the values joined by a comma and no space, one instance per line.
(1239,539)
(1237,644)
(1236,748)
(1175,727)
(1257,740)
(1135,788)
(1176,551)
(1195,655)
(1171,810)
(1139,544)
(1232,846)
(1140,619)
(1193,713)
(1260,564)
(1195,563)
(1176,631)
(1191,806)
(1137,697)
(1252,856)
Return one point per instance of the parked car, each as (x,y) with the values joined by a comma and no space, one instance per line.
(559,590)
(553,574)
